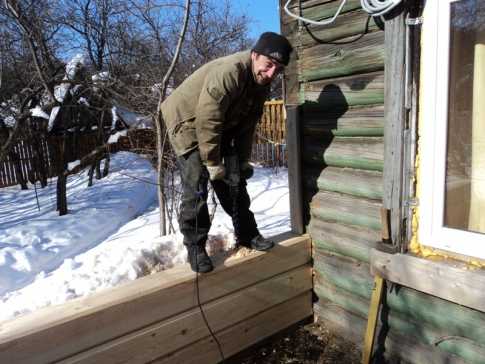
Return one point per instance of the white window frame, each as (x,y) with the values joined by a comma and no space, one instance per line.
(434,119)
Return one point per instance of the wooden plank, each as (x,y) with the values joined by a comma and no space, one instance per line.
(365,54)
(395,115)
(294,168)
(333,207)
(338,95)
(370,332)
(352,152)
(244,334)
(440,279)
(170,335)
(56,332)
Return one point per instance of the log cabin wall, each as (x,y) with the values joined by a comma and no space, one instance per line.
(336,76)
(335,80)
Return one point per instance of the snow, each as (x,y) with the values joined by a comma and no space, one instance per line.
(74,65)
(132,119)
(38,112)
(9,121)
(52,117)
(100,77)
(113,138)
(110,236)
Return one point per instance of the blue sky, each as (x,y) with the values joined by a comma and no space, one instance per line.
(264,14)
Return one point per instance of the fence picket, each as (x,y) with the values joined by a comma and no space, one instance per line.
(268,147)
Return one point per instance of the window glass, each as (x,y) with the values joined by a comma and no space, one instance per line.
(465,159)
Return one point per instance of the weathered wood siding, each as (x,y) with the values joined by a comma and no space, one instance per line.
(336,77)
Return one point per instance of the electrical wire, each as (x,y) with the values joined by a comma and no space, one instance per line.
(372,7)
(322,22)
(219,347)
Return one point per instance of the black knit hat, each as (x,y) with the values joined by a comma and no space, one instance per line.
(275,46)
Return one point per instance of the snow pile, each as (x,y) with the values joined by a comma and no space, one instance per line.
(34,241)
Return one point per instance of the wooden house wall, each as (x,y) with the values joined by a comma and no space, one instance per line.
(336,77)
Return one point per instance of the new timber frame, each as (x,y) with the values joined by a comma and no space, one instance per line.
(157,319)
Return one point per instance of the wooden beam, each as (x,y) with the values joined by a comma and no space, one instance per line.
(350,56)
(177,332)
(441,279)
(57,332)
(353,152)
(352,241)
(293,141)
(334,95)
(354,182)
(244,334)
(346,209)
(395,119)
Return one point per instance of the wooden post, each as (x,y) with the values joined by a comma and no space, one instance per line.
(394,114)
(294,168)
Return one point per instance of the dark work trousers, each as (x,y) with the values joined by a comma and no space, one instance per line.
(194,214)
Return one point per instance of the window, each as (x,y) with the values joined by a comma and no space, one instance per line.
(453,127)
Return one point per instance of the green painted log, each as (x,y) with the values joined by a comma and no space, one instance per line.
(340,94)
(416,306)
(351,25)
(320,11)
(398,348)
(351,241)
(354,182)
(345,209)
(325,61)
(468,350)
(356,121)
(354,152)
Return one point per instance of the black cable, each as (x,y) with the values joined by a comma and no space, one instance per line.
(199,194)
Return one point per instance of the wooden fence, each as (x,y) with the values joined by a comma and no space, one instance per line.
(26,162)
(35,160)
(269,146)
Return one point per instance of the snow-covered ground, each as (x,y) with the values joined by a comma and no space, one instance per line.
(111,234)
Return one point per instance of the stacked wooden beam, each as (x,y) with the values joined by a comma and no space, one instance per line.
(157,318)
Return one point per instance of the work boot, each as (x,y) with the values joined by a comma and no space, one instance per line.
(199,260)
(259,243)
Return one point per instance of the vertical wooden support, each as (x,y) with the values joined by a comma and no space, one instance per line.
(372,319)
(294,168)
(395,116)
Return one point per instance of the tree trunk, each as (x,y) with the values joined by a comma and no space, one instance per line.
(62,179)
(106,165)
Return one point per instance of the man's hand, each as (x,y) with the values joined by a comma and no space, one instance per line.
(216,172)
(246,169)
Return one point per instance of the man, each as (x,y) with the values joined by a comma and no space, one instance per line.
(211,118)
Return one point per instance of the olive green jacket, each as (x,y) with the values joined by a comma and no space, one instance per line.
(218,102)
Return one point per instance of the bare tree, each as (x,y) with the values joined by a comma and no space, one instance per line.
(161,130)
